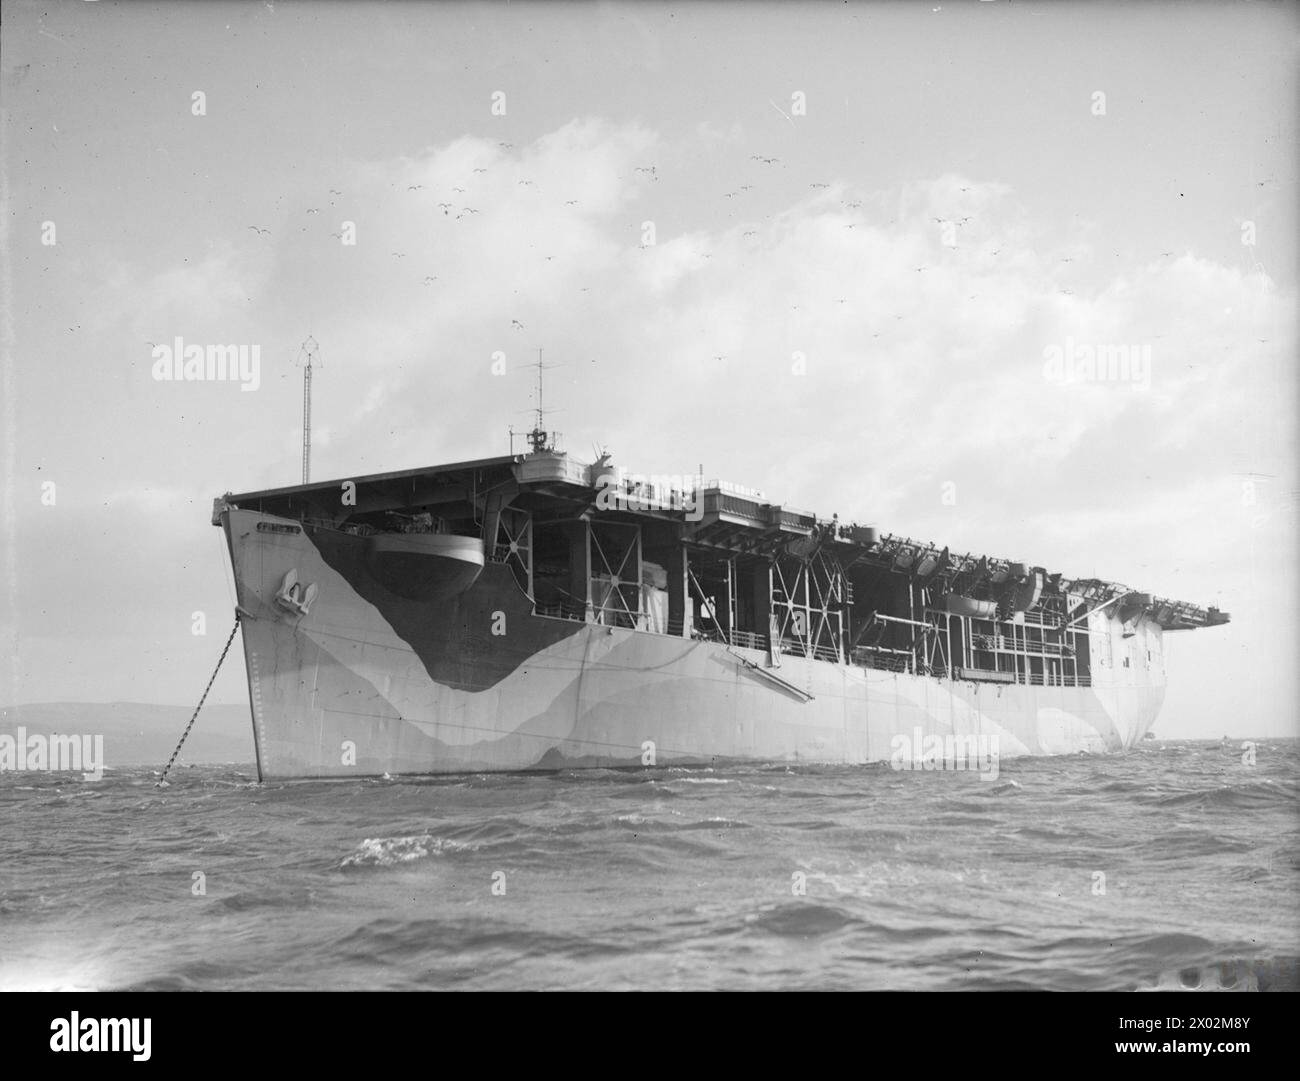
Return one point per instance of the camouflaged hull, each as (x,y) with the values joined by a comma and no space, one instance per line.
(369,682)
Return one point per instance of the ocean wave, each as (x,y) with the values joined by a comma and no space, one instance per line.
(1228,797)
(802,919)
(392,851)
(713,823)
(627,879)
(716,823)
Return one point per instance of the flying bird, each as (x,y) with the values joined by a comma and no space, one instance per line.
(571,202)
(446,207)
(516,324)
(506,146)
(480,170)
(414,187)
(430,278)
(819,185)
(260,232)
(525,183)
(398,254)
(333,192)
(313,210)
(339,235)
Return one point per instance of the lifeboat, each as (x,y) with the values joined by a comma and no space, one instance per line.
(970,607)
(424,566)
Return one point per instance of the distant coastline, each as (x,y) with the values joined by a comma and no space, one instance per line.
(141,734)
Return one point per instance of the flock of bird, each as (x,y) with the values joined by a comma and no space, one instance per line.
(459,212)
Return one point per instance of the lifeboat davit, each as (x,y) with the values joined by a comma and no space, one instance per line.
(424,566)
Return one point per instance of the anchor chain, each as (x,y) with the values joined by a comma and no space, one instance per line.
(185,734)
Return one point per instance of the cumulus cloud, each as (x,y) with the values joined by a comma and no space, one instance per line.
(853,350)
(915,321)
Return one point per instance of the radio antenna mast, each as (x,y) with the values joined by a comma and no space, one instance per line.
(539,438)
(308,352)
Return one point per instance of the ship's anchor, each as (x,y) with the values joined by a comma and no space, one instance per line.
(293,595)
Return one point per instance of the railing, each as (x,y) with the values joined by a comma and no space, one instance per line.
(1039,679)
(1043,619)
(562,610)
(795,647)
(878,658)
(1000,643)
(886,660)
(744,639)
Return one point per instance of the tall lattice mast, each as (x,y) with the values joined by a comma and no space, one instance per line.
(307,354)
(539,438)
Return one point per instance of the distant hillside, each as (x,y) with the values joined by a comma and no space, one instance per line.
(136,734)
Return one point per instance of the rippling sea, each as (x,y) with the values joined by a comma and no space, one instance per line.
(1172,866)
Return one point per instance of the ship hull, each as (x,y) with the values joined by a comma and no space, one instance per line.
(368,682)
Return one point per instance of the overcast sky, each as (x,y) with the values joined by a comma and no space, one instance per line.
(860,325)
